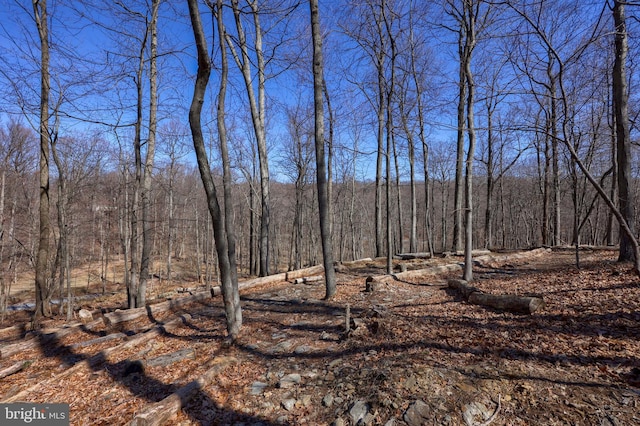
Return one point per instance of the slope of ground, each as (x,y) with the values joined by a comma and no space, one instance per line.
(417,354)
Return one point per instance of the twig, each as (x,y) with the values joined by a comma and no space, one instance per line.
(493,416)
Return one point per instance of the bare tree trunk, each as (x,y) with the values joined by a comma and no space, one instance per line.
(226,163)
(253,261)
(321,172)
(257,107)
(413,231)
(623,138)
(614,184)
(400,212)
(125,232)
(230,293)
(389,131)
(380,64)
(63,225)
(379,157)
(172,226)
(325,91)
(425,150)
(470,42)
(42,285)
(555,167)
(134,276)
(147,236)
(459,180)
(488,217)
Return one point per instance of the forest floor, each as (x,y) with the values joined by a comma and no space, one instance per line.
(418,353)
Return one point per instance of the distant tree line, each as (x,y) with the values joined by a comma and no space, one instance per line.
(403,125)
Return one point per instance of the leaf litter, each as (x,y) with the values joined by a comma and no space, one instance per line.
(415,353)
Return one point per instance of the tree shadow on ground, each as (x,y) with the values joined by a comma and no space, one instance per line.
(131,375)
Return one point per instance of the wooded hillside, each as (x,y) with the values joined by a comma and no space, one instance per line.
(508,119)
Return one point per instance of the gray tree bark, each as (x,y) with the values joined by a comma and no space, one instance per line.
(257,108)
(230,292)
(321,171)
(623,138)
(42,284)
(145,195)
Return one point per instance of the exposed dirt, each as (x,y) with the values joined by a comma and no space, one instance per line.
(577,361)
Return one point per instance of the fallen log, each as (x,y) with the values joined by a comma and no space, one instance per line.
(508,302)
(13,369)
(493,258)
(162,412)
(100,357)
(125,315)
(411,256)
(461,285)
(44,336)
(355,262)
(300,273)
(168,359)
(501,302)
(108,337)
(476,252)
(414,274)
(312,279)
(14,329)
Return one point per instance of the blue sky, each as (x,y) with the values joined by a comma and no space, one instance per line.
(97,76)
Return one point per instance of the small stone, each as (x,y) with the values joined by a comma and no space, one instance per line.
(358,411)
(327,401)
(311,374)
(302,349)
(289,380)
(305,400)
(282,420)
(85,316)
(283,346)
(335,362)
(391,422)
(338,422)
(416,414)
(411,382)
(258,387)
(475,412)
(289,404)
(368,419)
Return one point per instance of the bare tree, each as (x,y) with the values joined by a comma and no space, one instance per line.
(468,17)
(145,195)
(43,285)
(229,283)
(321,171)
(566,136)
(224,149)
(258,112)
(623,138)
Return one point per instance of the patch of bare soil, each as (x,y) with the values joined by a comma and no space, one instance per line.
(416,354)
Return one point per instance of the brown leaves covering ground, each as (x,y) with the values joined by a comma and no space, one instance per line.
(577,361)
